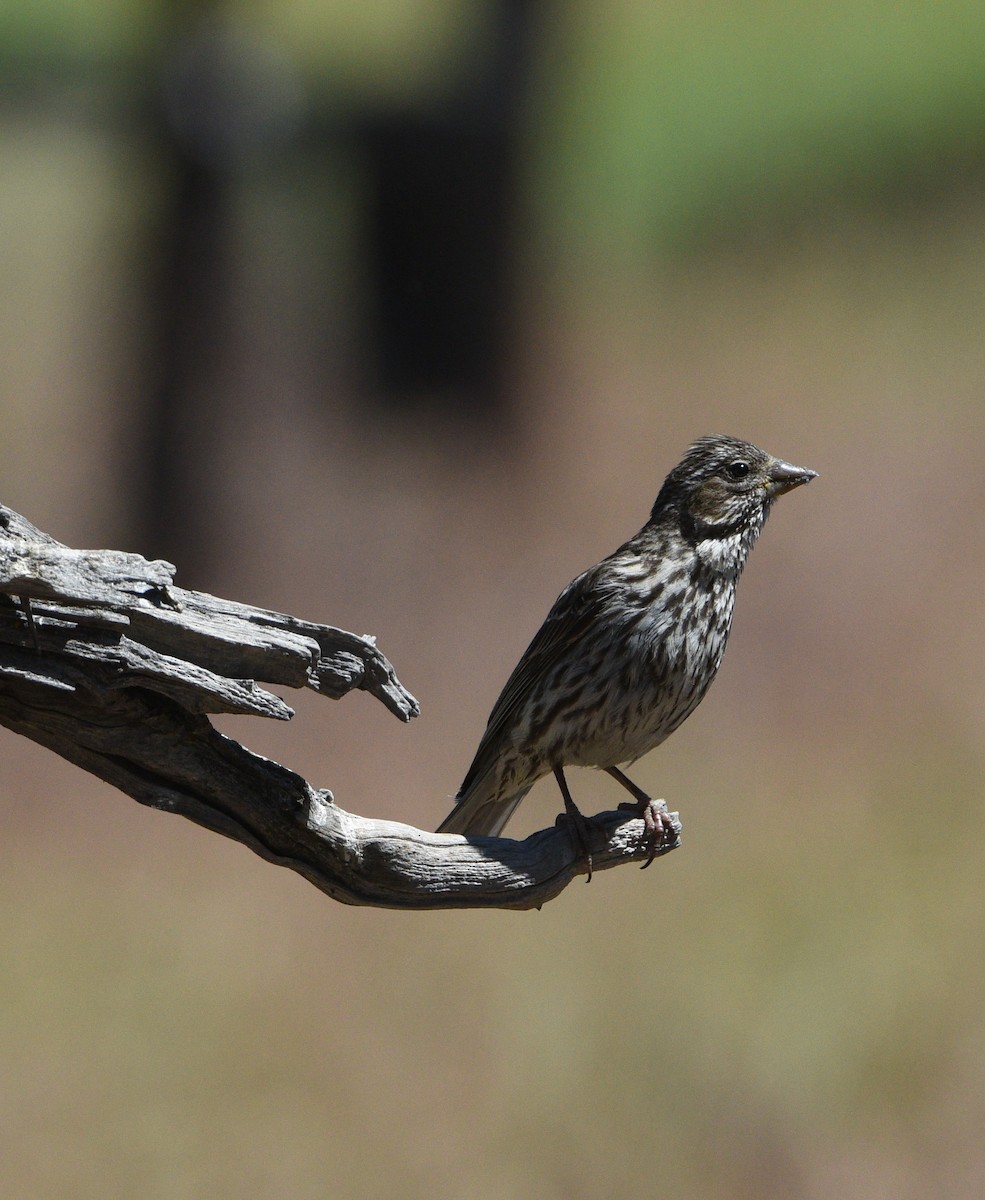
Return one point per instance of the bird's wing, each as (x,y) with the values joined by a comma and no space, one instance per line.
(571,620)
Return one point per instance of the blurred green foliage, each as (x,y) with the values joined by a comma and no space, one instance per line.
(651,121)
(667,118)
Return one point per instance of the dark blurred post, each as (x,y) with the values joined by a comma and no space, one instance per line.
(222,97)
(437,256)
(441,215)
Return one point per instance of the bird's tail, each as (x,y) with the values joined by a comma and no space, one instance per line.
(479,811)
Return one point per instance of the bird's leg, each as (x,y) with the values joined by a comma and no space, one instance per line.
(581,823)
(655,819)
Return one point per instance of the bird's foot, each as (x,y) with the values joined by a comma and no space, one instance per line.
(583,828)
(585,833)
(659,831)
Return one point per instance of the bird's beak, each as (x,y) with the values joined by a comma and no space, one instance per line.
(784,477)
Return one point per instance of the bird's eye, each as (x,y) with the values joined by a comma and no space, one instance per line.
(738,469)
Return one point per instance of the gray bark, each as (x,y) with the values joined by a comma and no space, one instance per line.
(109,664)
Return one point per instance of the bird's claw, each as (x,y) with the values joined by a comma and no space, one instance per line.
(658,828)
(584,832)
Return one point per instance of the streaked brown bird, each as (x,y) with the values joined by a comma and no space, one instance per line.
(631,645)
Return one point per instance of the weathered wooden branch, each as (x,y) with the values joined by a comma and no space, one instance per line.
(106,662)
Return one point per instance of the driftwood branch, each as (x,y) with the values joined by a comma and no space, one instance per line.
(107,663)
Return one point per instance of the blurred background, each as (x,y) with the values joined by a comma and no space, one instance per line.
(394,314)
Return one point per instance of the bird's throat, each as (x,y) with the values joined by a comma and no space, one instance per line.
(724,550)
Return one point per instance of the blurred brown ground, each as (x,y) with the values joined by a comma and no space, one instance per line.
(789,1005)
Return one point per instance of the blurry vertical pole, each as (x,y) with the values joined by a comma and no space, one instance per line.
(438,216)
(184,321)
(222,97)
(439,252)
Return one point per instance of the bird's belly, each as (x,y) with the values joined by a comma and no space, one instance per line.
(651,690)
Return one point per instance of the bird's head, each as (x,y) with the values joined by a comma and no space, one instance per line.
(722,489)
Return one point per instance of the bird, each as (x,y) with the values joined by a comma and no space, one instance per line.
(631,645)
